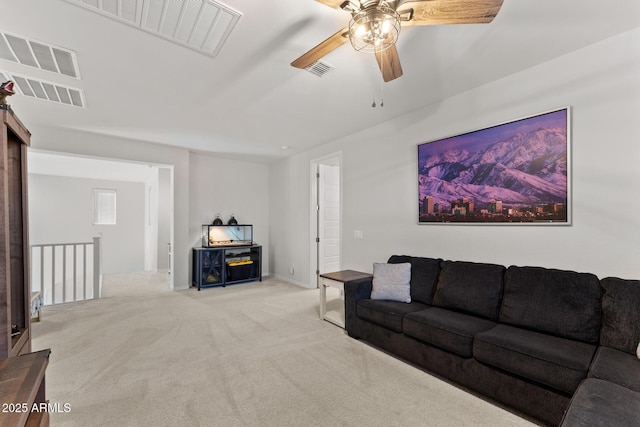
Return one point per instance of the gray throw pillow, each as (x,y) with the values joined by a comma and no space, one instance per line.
(391,282)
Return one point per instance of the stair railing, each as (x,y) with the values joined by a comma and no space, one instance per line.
(67,272)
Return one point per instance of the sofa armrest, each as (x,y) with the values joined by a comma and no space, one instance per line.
(354,292)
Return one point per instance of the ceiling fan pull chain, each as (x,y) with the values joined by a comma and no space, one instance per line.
(382,86)
(373,94)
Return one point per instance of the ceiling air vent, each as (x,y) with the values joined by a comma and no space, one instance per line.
(47,91)
(201,25)
(320,68)
(39,55)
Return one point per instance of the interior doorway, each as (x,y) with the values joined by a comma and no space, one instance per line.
(150,190)
(326,215)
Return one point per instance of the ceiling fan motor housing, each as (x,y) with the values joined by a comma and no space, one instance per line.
(374,29)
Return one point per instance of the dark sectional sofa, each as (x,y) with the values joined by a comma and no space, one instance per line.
(558,346)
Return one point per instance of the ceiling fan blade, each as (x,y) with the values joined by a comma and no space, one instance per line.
(389,63)
(331,3)
(327,46)
(436,12)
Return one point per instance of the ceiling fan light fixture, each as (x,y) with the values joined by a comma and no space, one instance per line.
(374,29)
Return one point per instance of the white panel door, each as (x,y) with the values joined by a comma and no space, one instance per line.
(329,218)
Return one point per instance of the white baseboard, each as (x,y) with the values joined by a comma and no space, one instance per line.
(294,282)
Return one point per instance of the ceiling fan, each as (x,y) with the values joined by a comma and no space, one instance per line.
(375,26)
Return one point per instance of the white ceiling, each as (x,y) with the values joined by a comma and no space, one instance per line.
(248,101)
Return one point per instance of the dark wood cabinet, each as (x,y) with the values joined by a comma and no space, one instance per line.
(228,265)
(22,390)
(22,385)
(15,293)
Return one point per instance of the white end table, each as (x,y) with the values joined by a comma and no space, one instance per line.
(337,279)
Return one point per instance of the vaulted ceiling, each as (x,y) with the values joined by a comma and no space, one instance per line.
(246,99)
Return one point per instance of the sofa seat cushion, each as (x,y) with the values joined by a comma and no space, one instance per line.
(388,314)
(469,287)
(556,362)
(616,366)
(446,329)
(601,403)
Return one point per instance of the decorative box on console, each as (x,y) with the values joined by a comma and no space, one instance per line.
(214,236)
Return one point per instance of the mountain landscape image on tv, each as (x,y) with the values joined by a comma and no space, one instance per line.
(512,173)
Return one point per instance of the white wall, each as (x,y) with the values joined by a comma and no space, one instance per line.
(601,83)
(289,205)
(60,211)
(229,187)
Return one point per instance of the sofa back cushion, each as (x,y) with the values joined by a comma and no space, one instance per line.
(620,314)
(558,302)
(473,288)
(424,275)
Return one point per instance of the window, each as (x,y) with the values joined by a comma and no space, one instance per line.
(104,207)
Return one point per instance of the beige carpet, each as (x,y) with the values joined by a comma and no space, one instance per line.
(246,355)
